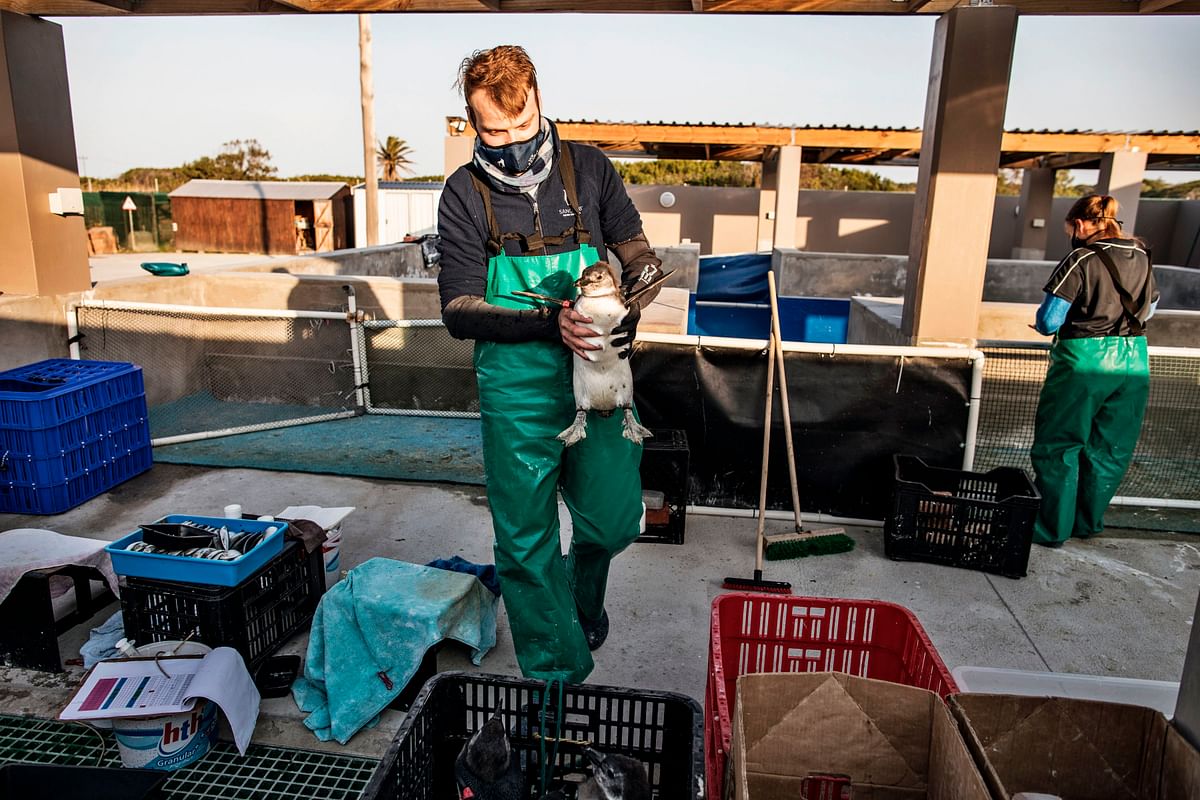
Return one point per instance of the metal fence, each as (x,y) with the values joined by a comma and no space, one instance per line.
(415,367)
(214,372)
(1166,463)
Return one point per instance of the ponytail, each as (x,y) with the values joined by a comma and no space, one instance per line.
(1101,209)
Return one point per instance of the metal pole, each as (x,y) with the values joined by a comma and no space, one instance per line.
(367,90)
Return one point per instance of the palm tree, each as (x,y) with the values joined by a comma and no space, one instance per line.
(393,157)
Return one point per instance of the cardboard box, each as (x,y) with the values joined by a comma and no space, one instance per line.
(892,742)
(1076,749)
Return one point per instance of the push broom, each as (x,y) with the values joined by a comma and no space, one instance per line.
(791,545)
(801,542)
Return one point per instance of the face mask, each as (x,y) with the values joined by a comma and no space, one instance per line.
(513,158)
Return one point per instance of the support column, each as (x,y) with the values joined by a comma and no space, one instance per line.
(787,197)
(458,151)
(1121,176)
(41,253)
(1033,219)
(766,203)
(956,187)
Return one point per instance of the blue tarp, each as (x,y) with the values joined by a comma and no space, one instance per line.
(734,279)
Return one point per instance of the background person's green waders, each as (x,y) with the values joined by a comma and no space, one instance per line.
(526,399)
(1089,417)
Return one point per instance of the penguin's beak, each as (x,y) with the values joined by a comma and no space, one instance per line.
(579,283)
(595,756)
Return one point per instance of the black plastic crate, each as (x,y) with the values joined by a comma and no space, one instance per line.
(662,729)
(981,521)
(255,617)
(665,469)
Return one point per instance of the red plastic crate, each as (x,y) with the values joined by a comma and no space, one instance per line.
(773,633)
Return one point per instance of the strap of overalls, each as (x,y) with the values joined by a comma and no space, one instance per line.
(1136,326)
(535,242)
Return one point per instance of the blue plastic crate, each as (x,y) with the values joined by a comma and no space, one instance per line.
(54,469)
(57,390)
(185,569)
(27,498)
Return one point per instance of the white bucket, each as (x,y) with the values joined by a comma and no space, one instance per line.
(332,550)
(168,741)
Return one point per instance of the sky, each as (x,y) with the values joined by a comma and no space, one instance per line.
(160,91)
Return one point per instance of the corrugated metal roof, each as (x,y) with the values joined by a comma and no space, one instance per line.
(874,128)
(260,190)
(427,185)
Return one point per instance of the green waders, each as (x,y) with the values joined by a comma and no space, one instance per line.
(1089,417)
(526,399)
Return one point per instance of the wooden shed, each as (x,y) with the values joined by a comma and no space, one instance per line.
(275,217)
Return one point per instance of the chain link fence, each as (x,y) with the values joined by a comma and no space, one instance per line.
(153,225)
(415,367)
(227,370)
(221,371)
(1166,463)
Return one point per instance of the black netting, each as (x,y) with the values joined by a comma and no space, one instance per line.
(1166,463)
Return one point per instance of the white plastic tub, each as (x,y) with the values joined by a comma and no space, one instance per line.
(1159,695)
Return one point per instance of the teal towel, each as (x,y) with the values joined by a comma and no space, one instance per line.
(378,621)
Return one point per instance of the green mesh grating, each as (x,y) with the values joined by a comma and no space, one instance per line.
(264,773)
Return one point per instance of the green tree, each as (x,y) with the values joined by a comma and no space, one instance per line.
(241,160)
(392,156)
(678,172)
(1065,186)
(1153,187)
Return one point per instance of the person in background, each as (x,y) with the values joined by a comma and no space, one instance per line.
(1089,414)
(530,213)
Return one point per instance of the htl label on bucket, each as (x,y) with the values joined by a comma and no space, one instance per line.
(168,742)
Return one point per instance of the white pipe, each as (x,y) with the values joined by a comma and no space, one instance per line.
(1155,502)
(379,324)
(355,339)
(752,513)
(116,305)
(262,426)
(973,406)
(417,412)
(820,348)
(73,330)
(1154,350)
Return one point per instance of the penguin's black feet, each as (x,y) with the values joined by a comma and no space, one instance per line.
(595,631)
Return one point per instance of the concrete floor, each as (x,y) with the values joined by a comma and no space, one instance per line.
(1119,605)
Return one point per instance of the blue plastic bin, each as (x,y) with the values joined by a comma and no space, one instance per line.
(23,497)
(185,569)
(57,390)
(69,430)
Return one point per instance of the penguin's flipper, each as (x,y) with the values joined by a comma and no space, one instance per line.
(632,430)
(576,431)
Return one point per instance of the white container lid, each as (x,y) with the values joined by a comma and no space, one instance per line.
(1159,695)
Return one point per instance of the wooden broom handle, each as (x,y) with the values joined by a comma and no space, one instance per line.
(766,451)
(783,396)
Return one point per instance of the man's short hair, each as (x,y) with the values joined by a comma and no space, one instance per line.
(505,73)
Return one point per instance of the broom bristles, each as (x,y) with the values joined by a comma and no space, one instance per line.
(824,542)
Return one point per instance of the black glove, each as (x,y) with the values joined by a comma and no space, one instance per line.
(624,332)
(637,281)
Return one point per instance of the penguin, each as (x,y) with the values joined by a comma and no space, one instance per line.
(487,768)
(603,381)
(614,777)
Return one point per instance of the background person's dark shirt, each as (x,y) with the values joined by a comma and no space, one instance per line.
(1083,281)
